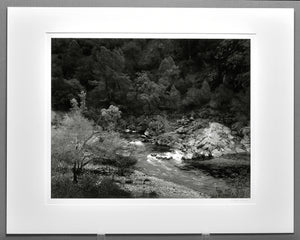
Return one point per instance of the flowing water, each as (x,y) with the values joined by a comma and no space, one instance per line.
(163,163)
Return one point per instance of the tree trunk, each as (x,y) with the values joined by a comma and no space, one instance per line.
(75,179)
(75,173)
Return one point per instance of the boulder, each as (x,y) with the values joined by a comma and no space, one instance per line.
(124,152)
(163,157)
(182,130)
(188,156)
(146,133)
(216,153)
(240,150)
(213,141)
(197,155)
(166,139)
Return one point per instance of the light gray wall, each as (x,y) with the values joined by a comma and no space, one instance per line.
(143,3)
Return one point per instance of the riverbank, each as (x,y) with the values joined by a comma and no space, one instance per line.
(141,185)
(174,157)
(99,183)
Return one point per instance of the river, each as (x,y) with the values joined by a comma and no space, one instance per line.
(164,163)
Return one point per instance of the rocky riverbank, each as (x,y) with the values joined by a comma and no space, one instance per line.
(144,186)
(197,137)
(198,146)
(178,157)
(141,185)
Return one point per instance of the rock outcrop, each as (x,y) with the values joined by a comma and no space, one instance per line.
(216,140)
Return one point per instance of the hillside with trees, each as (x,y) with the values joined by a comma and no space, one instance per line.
(140,117)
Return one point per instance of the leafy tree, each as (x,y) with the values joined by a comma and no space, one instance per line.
(197,97)
(154,50)
(232,59)
(70,60)
(63,91)
(108,70)
(174,99)
(148,93)
(84,73)
(147,75)
(110,117)
(168,72)
(69,142)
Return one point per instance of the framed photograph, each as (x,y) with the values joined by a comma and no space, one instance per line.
(150,120)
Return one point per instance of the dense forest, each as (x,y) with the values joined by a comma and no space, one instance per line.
(110,97)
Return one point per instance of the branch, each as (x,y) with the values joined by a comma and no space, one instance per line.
(92,159)
(85,141)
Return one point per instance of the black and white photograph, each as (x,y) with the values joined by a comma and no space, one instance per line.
(150,118)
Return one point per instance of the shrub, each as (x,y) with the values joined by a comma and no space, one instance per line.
(56,118)
(68,142)
(159,124)
(123,163)
(114,151)
(110,117)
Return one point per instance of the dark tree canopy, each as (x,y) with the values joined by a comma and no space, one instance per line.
(145,76)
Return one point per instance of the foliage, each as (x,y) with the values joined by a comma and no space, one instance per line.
(168,72)
(124,163)
(147,93)
(148,76)
(159,124)
(63,91)
(174,98)
(241,105)
(115,150)
(110,117)
(197,97)
(68,142)
(222,97)
(102,86)
(75,143)
(108,73)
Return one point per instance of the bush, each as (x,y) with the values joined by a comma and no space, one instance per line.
(166,139)
(56,118)
(73,131)
(68,141)
(110,117)
(114,151)
(159,124)
(123,163)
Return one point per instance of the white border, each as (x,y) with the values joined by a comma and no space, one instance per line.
(270,208)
